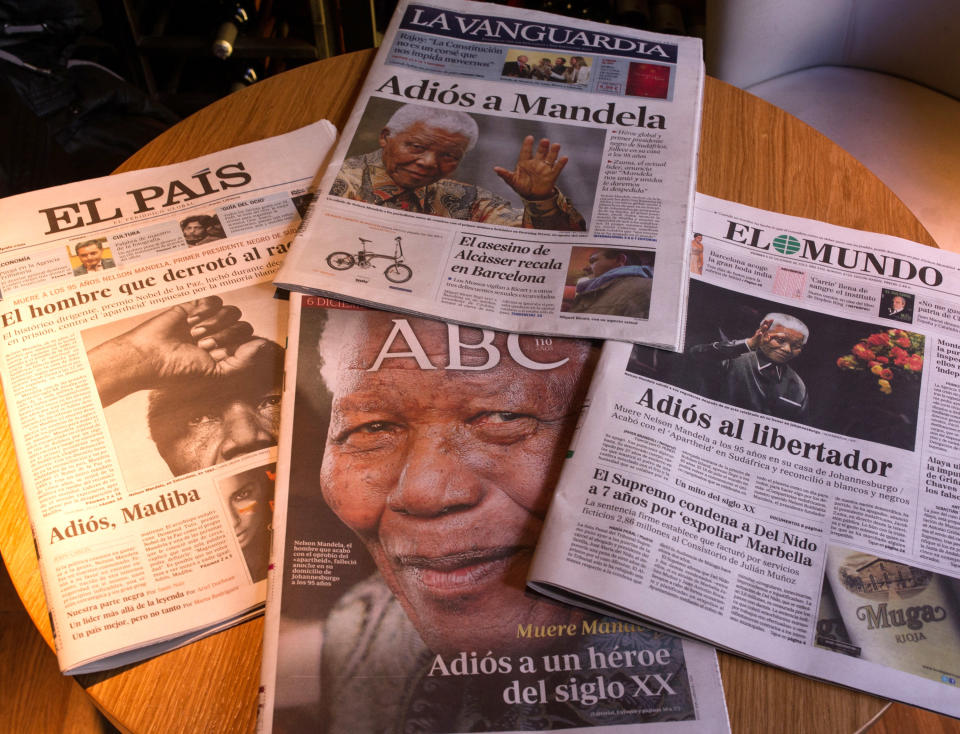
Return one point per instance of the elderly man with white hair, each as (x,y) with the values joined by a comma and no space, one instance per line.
(753,372)
(421,146)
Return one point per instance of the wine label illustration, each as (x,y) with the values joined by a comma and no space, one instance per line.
(899,616)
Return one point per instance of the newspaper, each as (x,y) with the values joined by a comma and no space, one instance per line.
(141,354)
(514,170)
(789,487)
(416,462)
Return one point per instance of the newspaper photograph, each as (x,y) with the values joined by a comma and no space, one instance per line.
(787,487)
(417,459)
(141,354)
(512,169)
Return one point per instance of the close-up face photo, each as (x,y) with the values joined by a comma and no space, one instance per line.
(249,496)
(446,474)
(192,385)
(421,154)
(194,231)
(89,255)
(781,344)
(218,423)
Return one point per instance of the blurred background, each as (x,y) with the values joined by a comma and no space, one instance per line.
(86,83)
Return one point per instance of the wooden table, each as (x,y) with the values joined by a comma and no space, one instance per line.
(751,152)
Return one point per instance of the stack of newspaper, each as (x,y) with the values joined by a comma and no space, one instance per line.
(788,486)
(783,485)
(141,354)
(505,171)
(783,481)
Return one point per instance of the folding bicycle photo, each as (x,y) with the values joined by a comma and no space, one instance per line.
(396,272)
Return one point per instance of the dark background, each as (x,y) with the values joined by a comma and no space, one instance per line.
(840,402)
(86,83)
(307,509)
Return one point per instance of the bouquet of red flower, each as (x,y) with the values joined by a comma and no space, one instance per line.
(885,356)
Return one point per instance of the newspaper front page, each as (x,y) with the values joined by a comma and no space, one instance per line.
(514,170)
(141,354)
(789,486)
(417,459)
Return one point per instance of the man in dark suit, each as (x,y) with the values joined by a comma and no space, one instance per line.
(753,373)
(519,68)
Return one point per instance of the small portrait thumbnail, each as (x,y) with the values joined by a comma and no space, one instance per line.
(517,65)
(90,256)
(199,229)
(896,305)
(249,500)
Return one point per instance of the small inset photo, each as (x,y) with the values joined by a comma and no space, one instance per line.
(890,613)
(199,229)
(90,256)
(248,497)
(611,281)
(517,65)
(896,305)
(648,80)
(696,254)
(521,64)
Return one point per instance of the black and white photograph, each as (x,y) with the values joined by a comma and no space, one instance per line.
(192,385)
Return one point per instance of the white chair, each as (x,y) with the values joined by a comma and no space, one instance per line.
(881,78)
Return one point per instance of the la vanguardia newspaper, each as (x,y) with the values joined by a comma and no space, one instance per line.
(141,355)
(788,487)
(515,170)
(416,461)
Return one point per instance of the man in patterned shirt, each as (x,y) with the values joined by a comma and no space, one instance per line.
(420,147)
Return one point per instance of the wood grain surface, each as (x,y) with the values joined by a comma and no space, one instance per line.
(751,152)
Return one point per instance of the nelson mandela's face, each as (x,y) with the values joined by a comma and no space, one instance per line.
(421,154)
(446,474)
(781,344)
(213,420)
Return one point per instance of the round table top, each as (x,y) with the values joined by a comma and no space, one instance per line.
(750,151)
